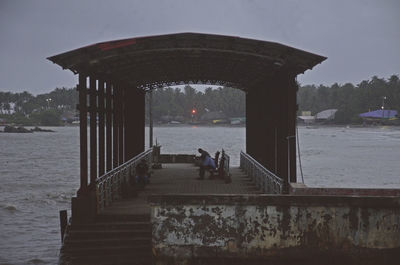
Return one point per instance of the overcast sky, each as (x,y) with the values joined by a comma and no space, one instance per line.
(361,38)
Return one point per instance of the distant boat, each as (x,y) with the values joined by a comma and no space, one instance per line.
(174,122)
(235,122)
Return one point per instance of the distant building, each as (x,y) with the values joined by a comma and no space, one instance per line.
(213,115)
(166,118)
(172,119)
(238,120)
(307,119)
(378,115)
(179,118)
(326,115)
(69,116)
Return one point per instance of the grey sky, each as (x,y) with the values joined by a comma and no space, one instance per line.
(360,38)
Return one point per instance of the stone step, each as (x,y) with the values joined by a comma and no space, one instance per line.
(140,225)
(127,259)
(139,251)
(84,243)
(240,176)
(106,218)
(115,233)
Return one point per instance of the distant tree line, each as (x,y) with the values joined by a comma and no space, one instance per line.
(349,99)
(44,109)
(180,103)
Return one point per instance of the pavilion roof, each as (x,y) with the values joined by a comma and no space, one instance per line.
(187,58)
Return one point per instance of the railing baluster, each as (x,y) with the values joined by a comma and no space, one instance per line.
(109,186)
(264,179)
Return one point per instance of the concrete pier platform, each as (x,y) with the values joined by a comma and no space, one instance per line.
(181,179)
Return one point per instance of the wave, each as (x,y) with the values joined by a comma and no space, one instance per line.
(60,197)
(37,261)
(8,207)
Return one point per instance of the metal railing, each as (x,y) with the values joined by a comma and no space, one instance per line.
(264,179)
(109,186)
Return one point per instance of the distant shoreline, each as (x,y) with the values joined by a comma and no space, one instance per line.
(310,126)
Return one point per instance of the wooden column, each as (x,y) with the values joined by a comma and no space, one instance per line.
(150,118)
(271,124)
(115,108)
(256,124)
(135,122)
(260,125)
(101,111)
(292,118)
(268,107)
(93,130)
(250,124)
(121,121)
(82,88)
(108,126)
(287,126)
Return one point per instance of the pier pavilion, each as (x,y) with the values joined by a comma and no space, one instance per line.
(195,228)
(115,76)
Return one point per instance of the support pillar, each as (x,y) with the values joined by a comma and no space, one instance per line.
(82,88)
(271,125)
(287,88)
(121,121)
(150,118)
(135,122)
(260,126)
(93,131)
(108,126)
(248,125)
(101,111)
(251,140)
(268,109)
(115,126)
(84,205)
(292,120)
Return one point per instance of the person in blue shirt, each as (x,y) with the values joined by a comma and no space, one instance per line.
(206,163)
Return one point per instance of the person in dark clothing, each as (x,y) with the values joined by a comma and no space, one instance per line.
(142,173)
(206,163)
(203,154)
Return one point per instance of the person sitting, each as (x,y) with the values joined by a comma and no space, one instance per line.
(206,163)
(142,173)
(216,158)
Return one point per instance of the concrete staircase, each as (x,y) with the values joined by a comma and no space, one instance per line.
(245,181)
(112,239)
(122,234)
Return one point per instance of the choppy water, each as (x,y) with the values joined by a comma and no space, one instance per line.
(39,173)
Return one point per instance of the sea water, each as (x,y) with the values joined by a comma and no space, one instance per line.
(39,173)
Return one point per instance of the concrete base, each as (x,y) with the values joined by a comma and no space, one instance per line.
(84,208)
(275,229)
(301,189)
(289,256)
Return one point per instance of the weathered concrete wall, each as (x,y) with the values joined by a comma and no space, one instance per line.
(301,189)
(278,227)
